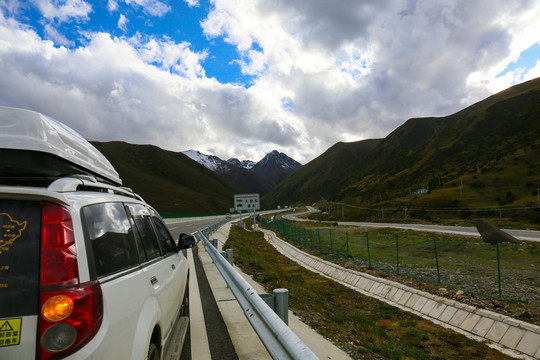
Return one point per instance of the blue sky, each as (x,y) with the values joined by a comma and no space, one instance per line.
(173,20)
(239,78)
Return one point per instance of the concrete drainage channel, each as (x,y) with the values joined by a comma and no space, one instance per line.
(513,337)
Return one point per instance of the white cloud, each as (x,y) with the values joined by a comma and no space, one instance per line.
(55,36)
(192,3)
(177,58)
(122,23)
(119,95)
(323,71)
(153,7)
(10,6)
(64,10)
(533,73)
(112,5)
(363,68)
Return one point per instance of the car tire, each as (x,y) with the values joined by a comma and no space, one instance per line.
(153,352)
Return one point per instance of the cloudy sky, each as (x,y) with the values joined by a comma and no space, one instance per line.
(239,78)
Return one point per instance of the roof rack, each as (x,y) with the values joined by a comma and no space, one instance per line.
(72,183)
(29,131)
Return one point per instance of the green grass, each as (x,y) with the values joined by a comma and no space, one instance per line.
(364,327)
(462,262)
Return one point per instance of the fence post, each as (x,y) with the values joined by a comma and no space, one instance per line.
(368,252)
(347,243)
(350,248)
(331,242)
(499,268)
(319,236)
(397,252)
(437,261)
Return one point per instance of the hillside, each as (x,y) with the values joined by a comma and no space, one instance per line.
(491,147)
(324,176)
(483,156)
(246,180)
(171,182)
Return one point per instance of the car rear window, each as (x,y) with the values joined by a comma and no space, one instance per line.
(111,236)
(20,241)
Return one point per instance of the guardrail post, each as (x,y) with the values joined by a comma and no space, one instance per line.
(269,300)
(214,242)
(281,304)
(230,258)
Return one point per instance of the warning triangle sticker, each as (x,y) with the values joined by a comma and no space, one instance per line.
(6,326)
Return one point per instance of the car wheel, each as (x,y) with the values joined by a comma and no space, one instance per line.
(153,352)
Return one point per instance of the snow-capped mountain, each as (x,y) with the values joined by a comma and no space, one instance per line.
(276,166)
(273,168)
(246,164)
(210,161)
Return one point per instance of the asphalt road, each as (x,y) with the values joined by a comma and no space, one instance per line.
(528,235)
(220,343)
(190,225)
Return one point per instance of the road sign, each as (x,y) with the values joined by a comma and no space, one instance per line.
(245,202)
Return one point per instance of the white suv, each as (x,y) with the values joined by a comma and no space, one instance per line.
(87,268)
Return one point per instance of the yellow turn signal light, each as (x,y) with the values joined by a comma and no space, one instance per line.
(57,308)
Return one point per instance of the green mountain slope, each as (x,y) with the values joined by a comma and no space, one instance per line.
(483,156)
(497,138)
(323,176)
(246,180)
(169,181)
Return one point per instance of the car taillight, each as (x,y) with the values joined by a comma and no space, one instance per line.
(70,313)
(58,255)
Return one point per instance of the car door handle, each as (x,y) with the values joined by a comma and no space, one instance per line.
(153,280)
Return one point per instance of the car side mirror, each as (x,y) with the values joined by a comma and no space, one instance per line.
(186,241)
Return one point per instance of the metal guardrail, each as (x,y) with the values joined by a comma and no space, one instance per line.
(280,341)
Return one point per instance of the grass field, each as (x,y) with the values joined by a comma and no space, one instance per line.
(455,261)
(364,327)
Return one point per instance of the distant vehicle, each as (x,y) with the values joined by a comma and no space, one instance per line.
(227,216)
(87,268)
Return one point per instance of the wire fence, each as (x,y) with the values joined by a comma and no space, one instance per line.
(502,271)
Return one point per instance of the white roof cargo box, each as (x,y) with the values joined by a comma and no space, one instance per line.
(33,145)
